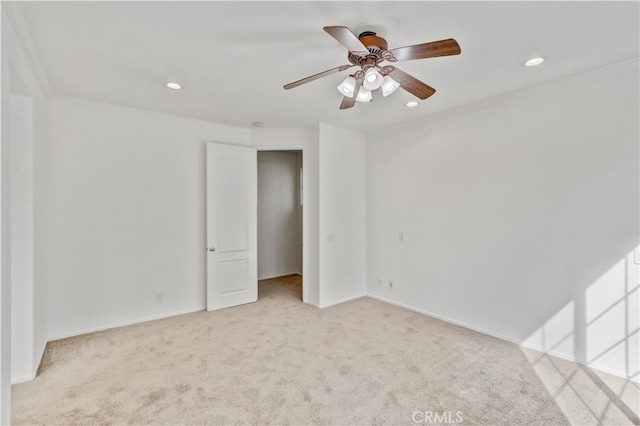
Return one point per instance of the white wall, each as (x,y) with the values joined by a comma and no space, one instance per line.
(27,131)
(126,214)
(342,177)
(512,210)
(22,239)
(279,214)
(23,151)
(5,228)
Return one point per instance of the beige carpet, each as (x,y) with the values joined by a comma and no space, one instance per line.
(279,361)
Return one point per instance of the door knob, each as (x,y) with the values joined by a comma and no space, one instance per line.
(211,248)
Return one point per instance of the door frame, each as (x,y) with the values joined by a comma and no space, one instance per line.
(305,247)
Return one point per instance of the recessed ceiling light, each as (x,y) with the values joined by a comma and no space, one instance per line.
(533,62)
(173,85)
(257,124)
(411,104)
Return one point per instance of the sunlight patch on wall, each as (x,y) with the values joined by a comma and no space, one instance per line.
(612,324)
(600,328)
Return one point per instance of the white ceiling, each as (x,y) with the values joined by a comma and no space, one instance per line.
(234,57)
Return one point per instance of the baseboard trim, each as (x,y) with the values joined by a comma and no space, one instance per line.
(314,304)
(39,360)
(337,302)
(444,318)
(34,373)
(505,338)
(23,379)
(635,379)
(125,323)
(271,277)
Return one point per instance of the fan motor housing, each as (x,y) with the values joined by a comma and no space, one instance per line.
(371,40)
(374,44)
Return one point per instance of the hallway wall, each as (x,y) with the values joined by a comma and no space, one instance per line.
(279,214)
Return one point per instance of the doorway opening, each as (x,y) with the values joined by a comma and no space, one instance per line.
(280,224)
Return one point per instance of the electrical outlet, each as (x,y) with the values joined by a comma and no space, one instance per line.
(159,298)
(391,285)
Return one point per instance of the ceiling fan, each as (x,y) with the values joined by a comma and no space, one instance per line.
(367,51)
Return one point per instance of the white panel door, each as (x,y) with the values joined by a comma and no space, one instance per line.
(232,206)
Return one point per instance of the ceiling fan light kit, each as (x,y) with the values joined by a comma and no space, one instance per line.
(389,86)
(364,95)
(367,51)
(347,87)
(372,79)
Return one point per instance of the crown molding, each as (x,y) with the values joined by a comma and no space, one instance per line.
(147,113)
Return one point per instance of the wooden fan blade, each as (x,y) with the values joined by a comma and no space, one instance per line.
(348,102)
(427,50)
(346,38)
(410,83)
(317,76)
